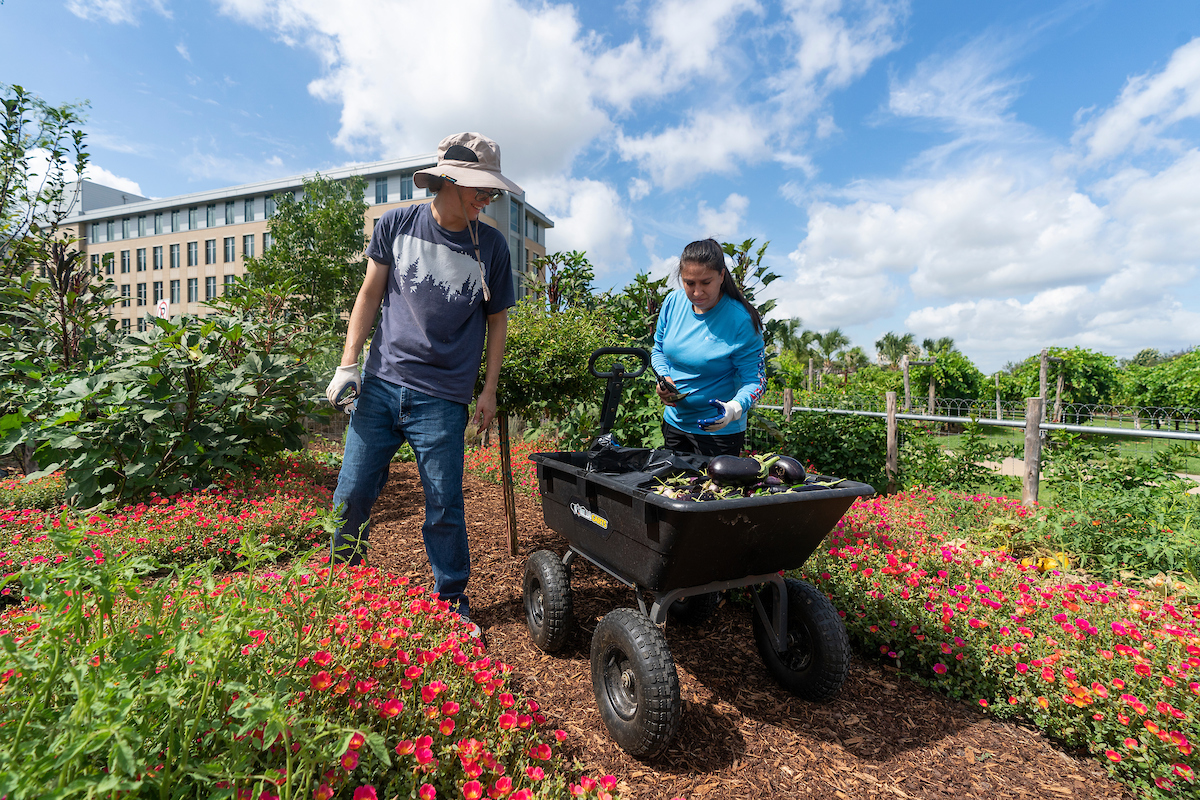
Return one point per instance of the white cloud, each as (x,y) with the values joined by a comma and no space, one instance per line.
(826,127)
(722,223)
(39,165)
(830,294)
(115,11)
(686,37)
(639,189)
(588,215)
(1147,107)
(1158,214)
(707,142)
(972,234)
(836,42)
(182,49)
(98,174)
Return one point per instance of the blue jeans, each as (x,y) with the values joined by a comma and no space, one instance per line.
(387,416)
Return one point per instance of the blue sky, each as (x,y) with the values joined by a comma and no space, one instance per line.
(1012,174)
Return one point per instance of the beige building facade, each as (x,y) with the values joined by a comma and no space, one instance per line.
(188,249)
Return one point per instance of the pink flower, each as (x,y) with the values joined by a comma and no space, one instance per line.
(940,669)
(365,793)
(356,741)
(391,708)
(349,760)
(405,748)
(1113,756)
(447,727)
(427,792)
(472,790)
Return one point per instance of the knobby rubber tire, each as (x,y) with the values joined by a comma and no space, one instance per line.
(817,660)
(636,686)
(695,610)
(547,600)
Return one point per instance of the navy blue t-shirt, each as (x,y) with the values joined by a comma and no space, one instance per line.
(432,327)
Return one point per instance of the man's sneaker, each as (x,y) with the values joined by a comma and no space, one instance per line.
(473,630)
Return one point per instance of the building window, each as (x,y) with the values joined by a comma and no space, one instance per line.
(108,265)
(210,287)
(230,249)
(141,294)
(141,259)
(248,210)
(210,251)
(125,324)
(210,216)
(248,246)
(381,189)
(175,221)
(158,264)
(94,233)
(193,252)
(95,263)
(125,228)
(193,218)
(142,225)
(406,187)
(158,229)
(228,212)
(193,290)
(108,259)
(268,240)
(227,289)
(514,215)
(158,292)
(124,295)
(110,231)
(269,206)
(174,291)
(174,256)
(141,324)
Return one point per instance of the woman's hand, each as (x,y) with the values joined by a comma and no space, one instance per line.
(665,388)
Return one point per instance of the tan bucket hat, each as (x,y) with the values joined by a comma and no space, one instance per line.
(468,159)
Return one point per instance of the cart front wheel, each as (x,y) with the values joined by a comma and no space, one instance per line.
(817,658)
(695,610)
(547,598)
(637,689)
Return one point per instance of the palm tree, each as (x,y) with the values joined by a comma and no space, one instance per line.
(790,339)
(944,344)
(853,360)
(828,345)
(893,347)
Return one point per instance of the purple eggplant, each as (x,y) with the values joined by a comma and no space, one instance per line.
(788,470)
(734,471)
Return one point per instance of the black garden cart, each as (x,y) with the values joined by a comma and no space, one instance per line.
(677,556)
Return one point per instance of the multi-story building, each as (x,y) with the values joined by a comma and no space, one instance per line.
(188,249)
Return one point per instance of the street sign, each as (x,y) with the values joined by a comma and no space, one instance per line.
(164,309)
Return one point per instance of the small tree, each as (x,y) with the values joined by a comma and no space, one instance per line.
(317,242)
(567,282)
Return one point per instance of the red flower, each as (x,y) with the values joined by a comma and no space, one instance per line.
(321,681)
(405,748)
(356,741)
(391,708)
(472,790)
(1113,756)
(365,793)
(427,792)
(349,760)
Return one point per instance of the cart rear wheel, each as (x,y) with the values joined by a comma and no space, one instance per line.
(547,597)
(637,689)
(695,610)
(817,660)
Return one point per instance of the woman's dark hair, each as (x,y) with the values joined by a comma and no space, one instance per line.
(434,183)
(707,253)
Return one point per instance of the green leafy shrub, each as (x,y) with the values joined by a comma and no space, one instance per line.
(924,462)
(843,446)
(185,401)
(300,684)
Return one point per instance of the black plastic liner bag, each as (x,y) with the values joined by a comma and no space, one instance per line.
(640,466)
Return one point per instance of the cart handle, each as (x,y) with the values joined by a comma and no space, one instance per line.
(639,352)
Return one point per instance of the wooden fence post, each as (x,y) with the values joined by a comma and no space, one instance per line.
(998,412)
(892,465)
(510,501)
(810,371)
(1058,390)
(1033,450)
(1045,363)
(932,395)
(788,400)
(907,391)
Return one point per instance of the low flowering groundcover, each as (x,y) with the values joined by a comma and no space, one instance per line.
(485,462)
(281,504)
(921,580)
(294,684)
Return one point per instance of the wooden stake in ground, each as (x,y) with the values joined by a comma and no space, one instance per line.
(892,464)
(1034,408)
(510,501)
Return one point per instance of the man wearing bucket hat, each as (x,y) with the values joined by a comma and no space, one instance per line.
(442,284)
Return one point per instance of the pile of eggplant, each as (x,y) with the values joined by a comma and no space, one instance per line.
(729,477)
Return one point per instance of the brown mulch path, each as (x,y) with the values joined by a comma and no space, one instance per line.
(741,735)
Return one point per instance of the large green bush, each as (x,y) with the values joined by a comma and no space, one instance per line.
(843,446)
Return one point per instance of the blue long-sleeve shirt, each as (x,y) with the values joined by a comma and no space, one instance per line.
(716,355)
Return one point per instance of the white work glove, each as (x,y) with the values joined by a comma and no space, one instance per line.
(729,411)
(344,388)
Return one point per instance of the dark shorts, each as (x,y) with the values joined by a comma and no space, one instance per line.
(705,444)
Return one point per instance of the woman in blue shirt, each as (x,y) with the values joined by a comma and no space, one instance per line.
(708,347)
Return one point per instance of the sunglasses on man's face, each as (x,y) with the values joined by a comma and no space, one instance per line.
(489,195)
